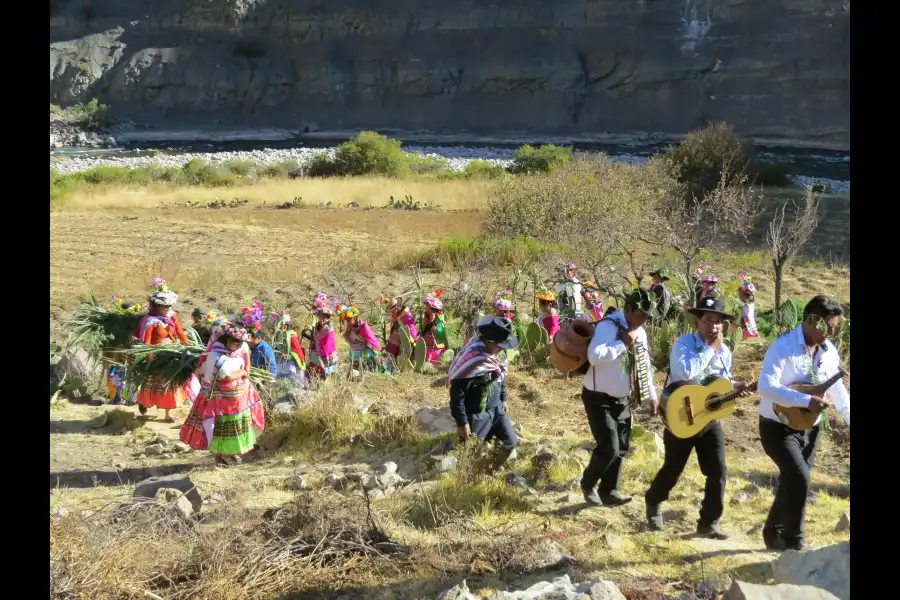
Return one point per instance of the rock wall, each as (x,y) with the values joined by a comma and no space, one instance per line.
(776,69)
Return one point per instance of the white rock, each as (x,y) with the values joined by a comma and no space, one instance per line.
(389,467)
(435,421)
(563,588)
(844,523)
(154,450)
(741,590)
(827,568)
(457,592)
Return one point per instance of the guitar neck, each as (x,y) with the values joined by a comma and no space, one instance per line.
(823,387)
(732,395)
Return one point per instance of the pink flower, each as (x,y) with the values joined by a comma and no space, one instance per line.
(157,281)
(258,325)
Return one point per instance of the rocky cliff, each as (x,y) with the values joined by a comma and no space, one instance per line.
(776,69)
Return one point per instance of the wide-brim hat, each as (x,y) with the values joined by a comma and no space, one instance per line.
(394,302)
(661,273)
(497,331)
(645,301)
(164,298)
(712,304)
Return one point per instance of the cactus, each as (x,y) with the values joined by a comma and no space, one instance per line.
(545,337)
(511,355)
(406,349)
(533,336)
(447,356)
(419,355)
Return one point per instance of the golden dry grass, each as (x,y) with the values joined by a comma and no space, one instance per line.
(479,529)
(449,194)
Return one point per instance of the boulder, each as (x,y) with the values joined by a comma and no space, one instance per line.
(154,449)
(549,555)
(827,568)
(149,487)
(741,590)
(435,421)
(562,587)
(178,502)
(458,592)
(843,524)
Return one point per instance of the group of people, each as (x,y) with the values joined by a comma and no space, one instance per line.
(227,415)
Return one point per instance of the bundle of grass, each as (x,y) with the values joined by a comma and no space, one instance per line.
(99,329)
(171,365)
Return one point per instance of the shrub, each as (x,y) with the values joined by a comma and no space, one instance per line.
(698,161)
(544,159)
(280,170)
(368,154)
(459,251)
(197,172)
(483,169)
(426,165)
(241,168)
(774,174)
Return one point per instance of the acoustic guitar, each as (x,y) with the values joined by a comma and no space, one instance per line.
(687,407)
(800,418)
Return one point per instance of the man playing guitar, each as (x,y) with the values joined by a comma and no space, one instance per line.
(802,355)
(694,357)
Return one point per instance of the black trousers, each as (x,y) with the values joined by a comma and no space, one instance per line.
(710,447)
(610,422)
(793,452)
(494,425)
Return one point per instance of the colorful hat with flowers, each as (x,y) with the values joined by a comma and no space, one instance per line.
(433,300)
(321,305)
(345,313)
(704,274)
(504,300)
(747,284)
(161,295)
(235,332)
(127,308)
(252,316)
(545,295)
(213,319)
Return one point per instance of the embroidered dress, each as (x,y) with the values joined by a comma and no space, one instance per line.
(163,330)
(227,416)
(550,322)
(363,343)
(748,320)
(435,334)
(291,360)
(406,318)
(323,351)
(115,385)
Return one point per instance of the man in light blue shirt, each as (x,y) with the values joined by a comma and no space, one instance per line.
(695,357)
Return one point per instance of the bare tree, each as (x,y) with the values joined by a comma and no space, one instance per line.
(788,234)
(689,224)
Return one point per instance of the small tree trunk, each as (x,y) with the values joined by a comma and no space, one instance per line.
(779,268)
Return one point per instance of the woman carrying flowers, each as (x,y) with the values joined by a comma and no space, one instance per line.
(504,305)
(228,415)
(364,346)
(548,317)
(161,326)
(289,353)
(433,327)
(400,315)
(323,356)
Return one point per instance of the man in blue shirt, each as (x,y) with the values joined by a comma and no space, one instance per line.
(262,356)
(694,357)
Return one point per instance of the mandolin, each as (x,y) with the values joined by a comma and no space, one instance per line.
(800,418)
(687,407)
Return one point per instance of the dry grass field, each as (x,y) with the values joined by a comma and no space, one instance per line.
(113,240)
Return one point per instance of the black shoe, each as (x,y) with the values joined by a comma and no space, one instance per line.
(614,499)
(797,545)
(774,543)
(142,409)
(711,531)
(591,496)
(654,518)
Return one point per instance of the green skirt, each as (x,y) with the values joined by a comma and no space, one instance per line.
(233,434)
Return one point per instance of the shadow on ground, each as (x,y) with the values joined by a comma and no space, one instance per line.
(90,479)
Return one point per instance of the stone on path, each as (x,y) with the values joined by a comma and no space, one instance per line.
(148,488)
(827,568)
(843,523)
(435,421)
(741,590)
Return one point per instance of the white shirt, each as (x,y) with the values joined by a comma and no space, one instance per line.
(576,291)
(787,362)
(605,351)
(692,359)
(749,313)
(231,364)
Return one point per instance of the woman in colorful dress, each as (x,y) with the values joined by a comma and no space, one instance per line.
(434,330)
(289,354)
(400,315)
(365,349)
(161,326)
(548,317)
(228,415)
(323,356)
(747,293)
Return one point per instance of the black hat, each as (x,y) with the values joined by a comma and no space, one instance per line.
(712,303)
(197,312)
(645,301)
(497,330)
(661,273)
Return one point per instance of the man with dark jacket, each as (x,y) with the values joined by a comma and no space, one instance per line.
(478,386)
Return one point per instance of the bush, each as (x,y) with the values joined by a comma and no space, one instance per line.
(197,172)
(544,159)
(241,168)
(459,251)
(774,174)
(426,165)
(93,114)
(699,160)
(368,154)
(483,169)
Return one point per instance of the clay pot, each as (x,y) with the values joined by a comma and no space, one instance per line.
(574,338)
(562,362)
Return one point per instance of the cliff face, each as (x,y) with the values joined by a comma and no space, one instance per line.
(776,69)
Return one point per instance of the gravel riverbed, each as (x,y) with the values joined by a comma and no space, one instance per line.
(457,158)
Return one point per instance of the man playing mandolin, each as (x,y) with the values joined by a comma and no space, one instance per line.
(696,357)
(803,355)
